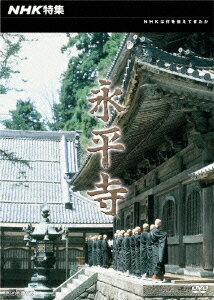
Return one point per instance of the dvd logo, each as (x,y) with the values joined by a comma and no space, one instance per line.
(199,289)
(22,9)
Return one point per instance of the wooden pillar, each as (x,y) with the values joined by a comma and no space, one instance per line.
(208,224)
(136,214)
(84,245)
(57,255)
(66,258)
(156,209)
(180,223)
(114,224)
(122,220)
(150,212)
(29,259)
(1,255)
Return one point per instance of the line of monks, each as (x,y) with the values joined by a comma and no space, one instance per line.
(140,253)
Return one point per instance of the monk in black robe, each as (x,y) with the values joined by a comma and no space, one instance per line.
(137,251)
(127,251)
(86,250)
(99,251)
(123,267)
(90,243)
(106,252)
(120,251)
(94,251)
(114,246)
(149,251)
(133,255)
(143,250)
(159,250)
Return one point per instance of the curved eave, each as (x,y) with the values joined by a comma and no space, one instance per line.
(149,116)
(206,173)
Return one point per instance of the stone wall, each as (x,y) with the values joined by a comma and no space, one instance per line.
(111,286)
(89,293)
(86,289)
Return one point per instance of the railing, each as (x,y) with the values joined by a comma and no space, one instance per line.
(69,280)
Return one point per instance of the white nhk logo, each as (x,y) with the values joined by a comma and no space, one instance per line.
(22,9)
(36,10)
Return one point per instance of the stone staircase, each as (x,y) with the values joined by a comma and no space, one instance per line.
(81,284)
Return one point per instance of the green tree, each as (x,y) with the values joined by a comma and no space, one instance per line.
(10,45)
(24,117)
(96,53)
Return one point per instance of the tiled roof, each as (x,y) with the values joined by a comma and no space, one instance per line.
(83,212)
(184,63)
(203,171)
(30,192)
(45,171)
(32,149)
(50,155)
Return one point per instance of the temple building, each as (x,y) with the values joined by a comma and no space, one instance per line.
(168,163)
(48,162)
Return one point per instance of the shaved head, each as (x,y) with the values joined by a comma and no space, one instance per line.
(129,231)
(158,223)
(145,226)
(152,226)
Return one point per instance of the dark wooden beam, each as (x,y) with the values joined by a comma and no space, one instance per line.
(180,224)
(208,224)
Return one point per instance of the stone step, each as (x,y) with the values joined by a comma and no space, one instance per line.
(89,272)
(83,277)
(64,290)
(71,286)
(77,282)
(58,296)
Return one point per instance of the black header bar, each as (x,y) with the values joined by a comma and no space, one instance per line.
(102,16)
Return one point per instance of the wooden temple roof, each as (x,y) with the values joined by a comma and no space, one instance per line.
(24,188)
(203,172)
(204,175)
(159,88)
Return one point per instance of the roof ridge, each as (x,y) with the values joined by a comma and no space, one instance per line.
(29,134)
(121,46)
(22,213)
(84,198)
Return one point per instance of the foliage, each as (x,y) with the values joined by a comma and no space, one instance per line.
(12,157)
(10,45)
(96,52)
(24,117)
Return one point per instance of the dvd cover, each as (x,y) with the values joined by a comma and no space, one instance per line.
(106,150)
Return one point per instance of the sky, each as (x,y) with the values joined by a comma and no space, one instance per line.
(40,73)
